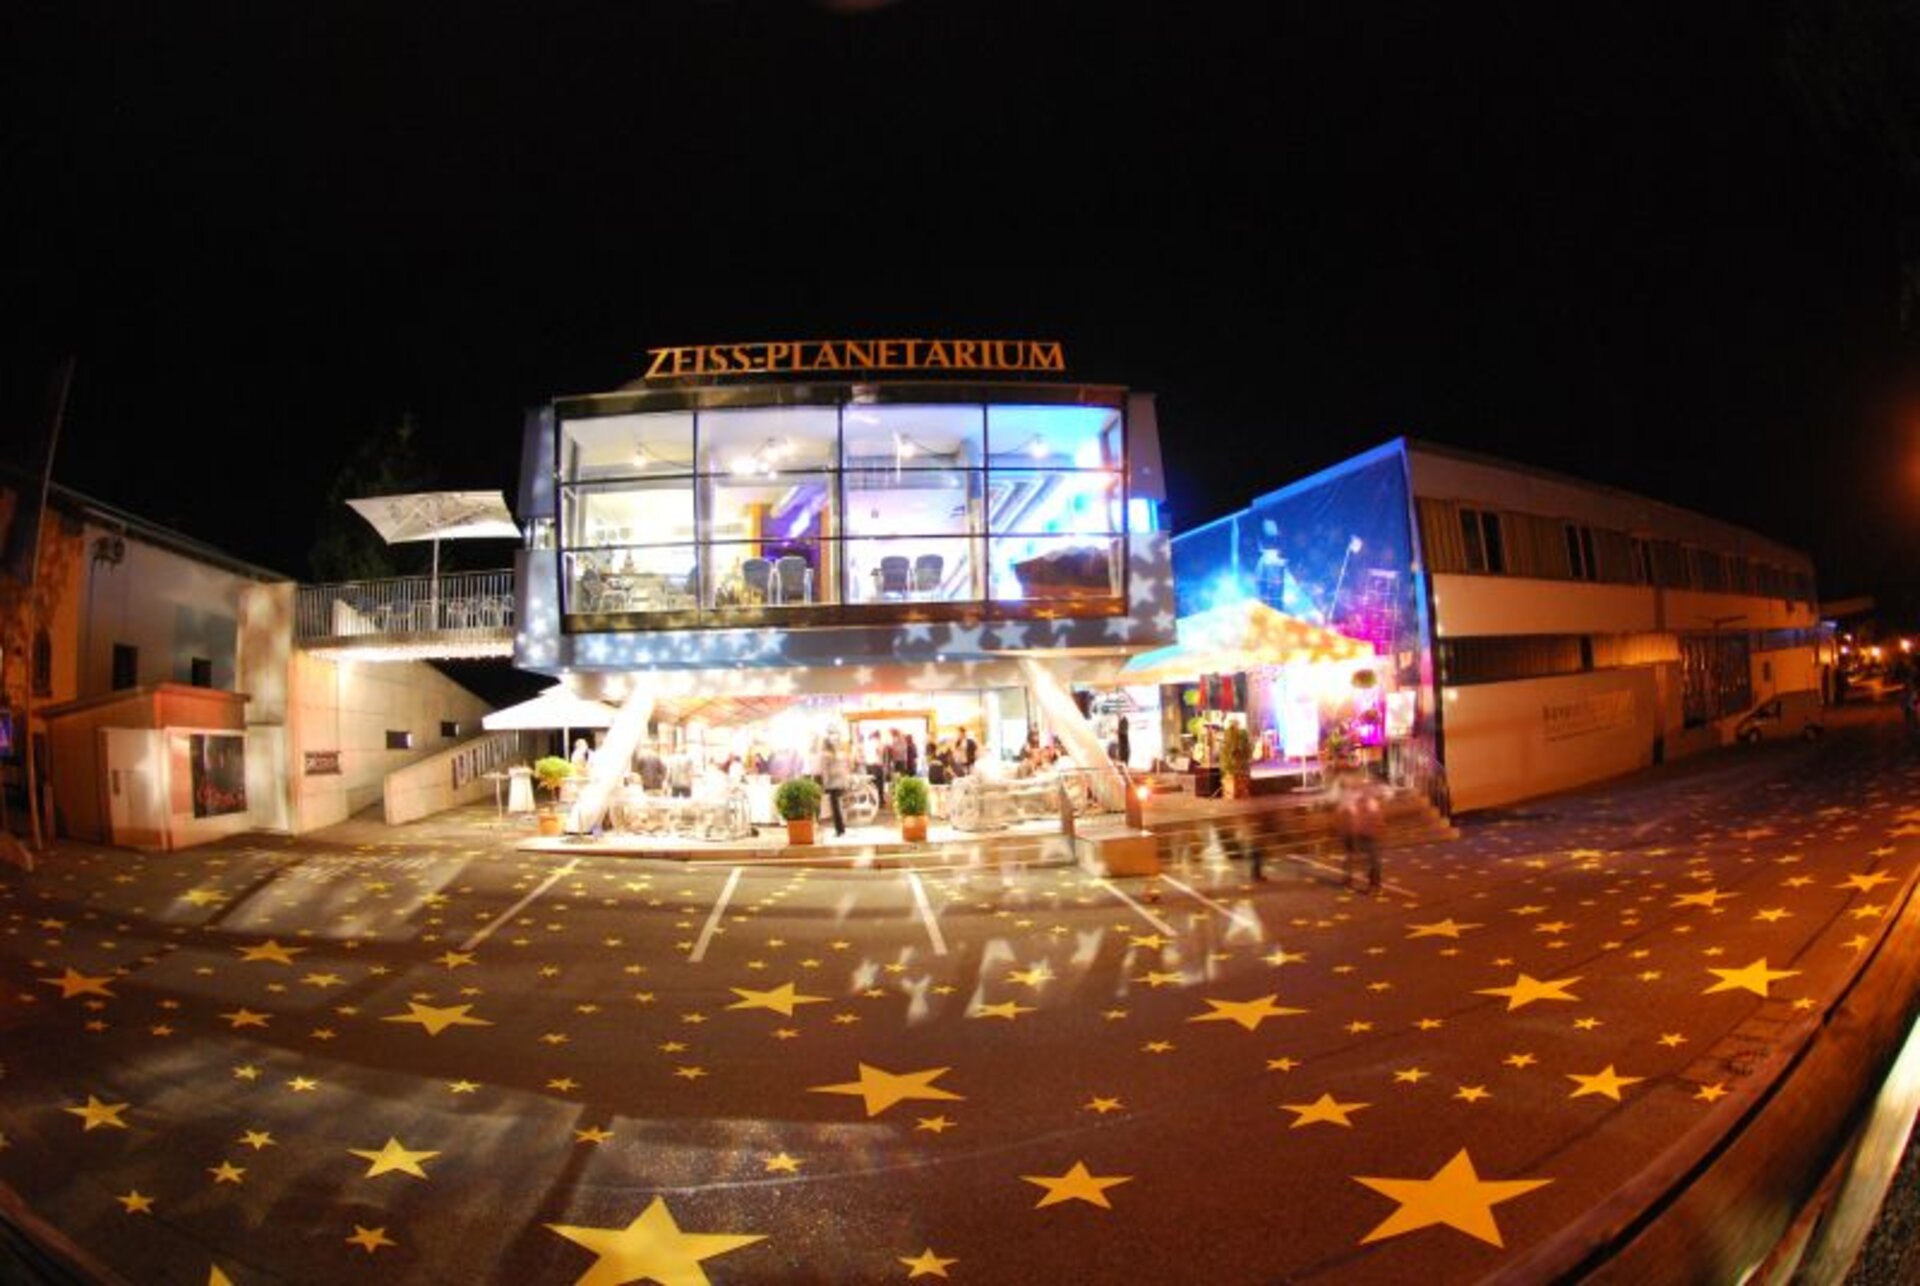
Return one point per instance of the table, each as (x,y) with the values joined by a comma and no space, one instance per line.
(520,791)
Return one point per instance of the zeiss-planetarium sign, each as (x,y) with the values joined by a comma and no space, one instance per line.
(856,356)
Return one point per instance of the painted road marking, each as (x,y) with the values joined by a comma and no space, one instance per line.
(1159,925)
(1241,916)
(520,906)
(926,913)
(713,920)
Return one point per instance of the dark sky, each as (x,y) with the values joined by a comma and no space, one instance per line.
(1659,246)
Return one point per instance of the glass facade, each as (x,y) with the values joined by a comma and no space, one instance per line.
(837,513)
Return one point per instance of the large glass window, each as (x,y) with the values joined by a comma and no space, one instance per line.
(1054,502)
(735,512)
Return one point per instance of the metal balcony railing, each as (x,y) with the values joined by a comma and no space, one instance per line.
(453,609)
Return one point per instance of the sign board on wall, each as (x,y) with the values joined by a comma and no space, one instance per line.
(1586,716)
(856,356)
(217,763)
(323,763)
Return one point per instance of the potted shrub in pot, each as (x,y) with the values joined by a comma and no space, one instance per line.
(1236,762)
(911,799)
(797,800)
(551,773)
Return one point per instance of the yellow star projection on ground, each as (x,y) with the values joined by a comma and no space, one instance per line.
(1248,1013)
(72,983)
(927,1264)
(781,1000)
(271,952)
(1529,989)
(393,1158)
(97,1114)
(437,1020)
(1077,1184)
(882,1089)
(1455,1197)
(652,1248)
(1606,1082)
(1755,977)
(1323,1109)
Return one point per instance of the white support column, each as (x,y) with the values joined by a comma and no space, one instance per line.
(611,761)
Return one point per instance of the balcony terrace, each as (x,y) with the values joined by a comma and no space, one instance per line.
(456,615)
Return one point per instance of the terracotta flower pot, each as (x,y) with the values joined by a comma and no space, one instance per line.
(913,828)
(551,822)
(800,830)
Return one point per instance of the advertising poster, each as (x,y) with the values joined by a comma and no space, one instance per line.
(218,763)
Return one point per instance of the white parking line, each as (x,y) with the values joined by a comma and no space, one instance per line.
(926,913)
(1159,925)
(519,906)
(1239,915)
(713,920)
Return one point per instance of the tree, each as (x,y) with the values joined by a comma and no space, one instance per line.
(386,462)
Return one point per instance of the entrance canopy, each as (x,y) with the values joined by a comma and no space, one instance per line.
(557,707)
(1236,638)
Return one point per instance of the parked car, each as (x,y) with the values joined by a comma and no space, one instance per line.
(1774,718)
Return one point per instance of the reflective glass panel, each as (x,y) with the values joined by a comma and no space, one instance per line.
(1048,502)
(914,437)
(1053,437)
(911,569)
(626,446)
(1054,568)
(765,440)
(632,513)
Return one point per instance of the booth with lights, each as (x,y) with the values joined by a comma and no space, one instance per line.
(1304,617)
(760,555)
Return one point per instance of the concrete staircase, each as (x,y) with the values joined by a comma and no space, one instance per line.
(1280,824)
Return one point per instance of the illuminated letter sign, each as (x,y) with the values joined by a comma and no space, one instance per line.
(855,356)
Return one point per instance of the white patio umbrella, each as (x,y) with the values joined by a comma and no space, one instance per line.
(557,707)
(438,516)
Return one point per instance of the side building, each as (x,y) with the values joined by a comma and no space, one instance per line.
(1531,632)
(169,704)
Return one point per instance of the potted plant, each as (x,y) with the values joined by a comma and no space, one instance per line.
(551,773)
(797,799)
(1236,762)
(911,799)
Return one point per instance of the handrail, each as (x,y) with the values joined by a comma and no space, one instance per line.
(460,604)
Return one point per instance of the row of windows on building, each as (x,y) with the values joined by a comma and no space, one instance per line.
(126,666)
(1468,538)
(1508,657)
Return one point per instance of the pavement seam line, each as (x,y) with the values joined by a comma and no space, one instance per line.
(926,912)
(519,906)
(1159,925)
(1241,916)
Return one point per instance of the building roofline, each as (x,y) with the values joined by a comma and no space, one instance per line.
(91,509)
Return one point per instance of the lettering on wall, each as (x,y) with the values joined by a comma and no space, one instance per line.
(1586,716)
(323,763)
(834,356)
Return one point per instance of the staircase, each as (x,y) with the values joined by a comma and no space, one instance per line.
(1185,829)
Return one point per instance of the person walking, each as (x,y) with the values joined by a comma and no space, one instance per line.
(833,779)
(1360,816)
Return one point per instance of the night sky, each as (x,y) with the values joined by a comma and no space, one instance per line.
(1658,246)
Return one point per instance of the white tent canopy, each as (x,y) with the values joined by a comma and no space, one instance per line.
(557,707)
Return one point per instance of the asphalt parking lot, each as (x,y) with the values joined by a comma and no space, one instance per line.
(423,1055)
